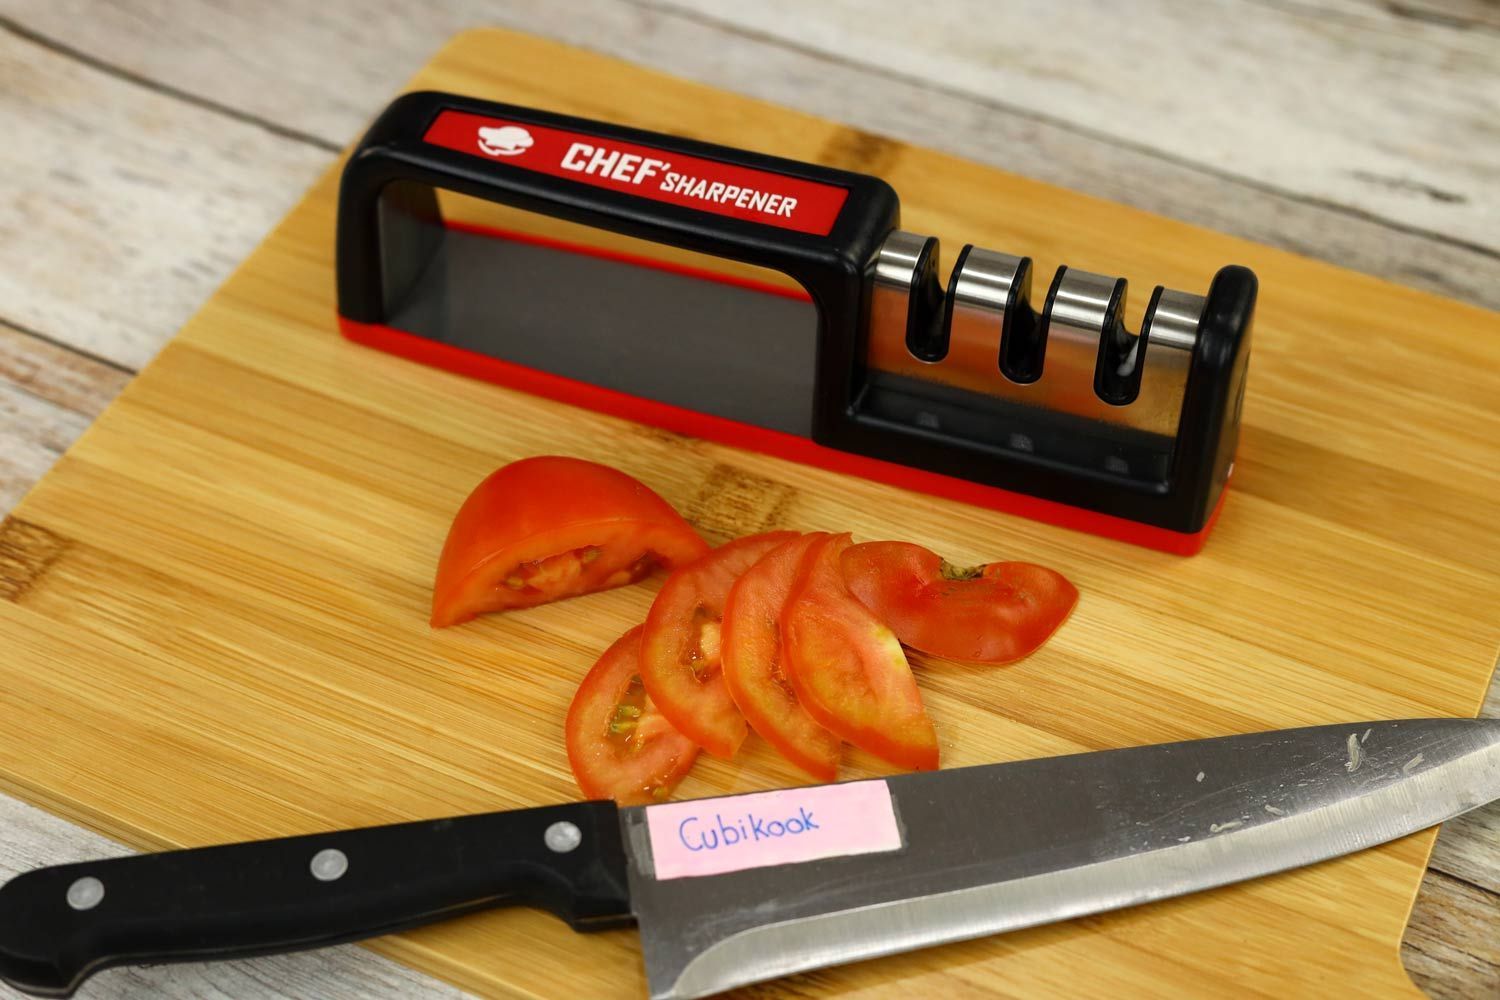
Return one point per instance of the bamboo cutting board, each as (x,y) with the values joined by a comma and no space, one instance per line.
(213,610)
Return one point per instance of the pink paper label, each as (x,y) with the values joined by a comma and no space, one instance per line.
(712,836)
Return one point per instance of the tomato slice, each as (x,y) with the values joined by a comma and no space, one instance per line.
(550,527)
(680,650)
(994,613)
(619,746)
(753,669)
(848,668)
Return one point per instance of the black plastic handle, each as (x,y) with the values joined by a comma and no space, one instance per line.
(60,925)
(390,226)
(387,210)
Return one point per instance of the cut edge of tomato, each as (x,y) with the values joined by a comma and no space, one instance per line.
(821,765)
(922,757)
(912,755)
(473,593)
(719,736)
(583,725)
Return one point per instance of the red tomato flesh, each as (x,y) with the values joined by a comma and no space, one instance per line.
(994,613)
(848,668)
(754,671)
(680,649)
(550,527)
(619,746)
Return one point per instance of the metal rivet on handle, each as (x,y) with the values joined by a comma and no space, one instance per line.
(86,893)
(329,865)
(562,837)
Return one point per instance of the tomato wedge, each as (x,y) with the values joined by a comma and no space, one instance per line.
(753,669)
(550,527)
(619,746)
(995,613)
(848,669)
(680,661)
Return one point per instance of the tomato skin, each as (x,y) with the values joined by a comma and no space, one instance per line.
(550,527)
(848,668)
(680,649)
(637,768)
(996,613)
(753,669)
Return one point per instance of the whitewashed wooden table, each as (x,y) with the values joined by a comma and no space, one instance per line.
(149,145)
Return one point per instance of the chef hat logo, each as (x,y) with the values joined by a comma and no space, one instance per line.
(504,140)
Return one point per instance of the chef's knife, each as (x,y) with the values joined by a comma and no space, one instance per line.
(734,890)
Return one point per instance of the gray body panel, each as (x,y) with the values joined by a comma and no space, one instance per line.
(701,344)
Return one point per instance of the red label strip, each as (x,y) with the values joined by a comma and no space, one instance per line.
(675,178)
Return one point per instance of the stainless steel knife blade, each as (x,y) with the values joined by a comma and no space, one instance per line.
(999,847)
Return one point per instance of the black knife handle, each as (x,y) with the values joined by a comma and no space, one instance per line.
(60,925)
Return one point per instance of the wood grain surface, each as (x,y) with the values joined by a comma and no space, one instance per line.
(234,562)
(121,111)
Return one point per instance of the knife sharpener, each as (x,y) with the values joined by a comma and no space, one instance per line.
(777,305)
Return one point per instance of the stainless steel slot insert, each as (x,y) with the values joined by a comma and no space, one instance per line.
(981,287)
